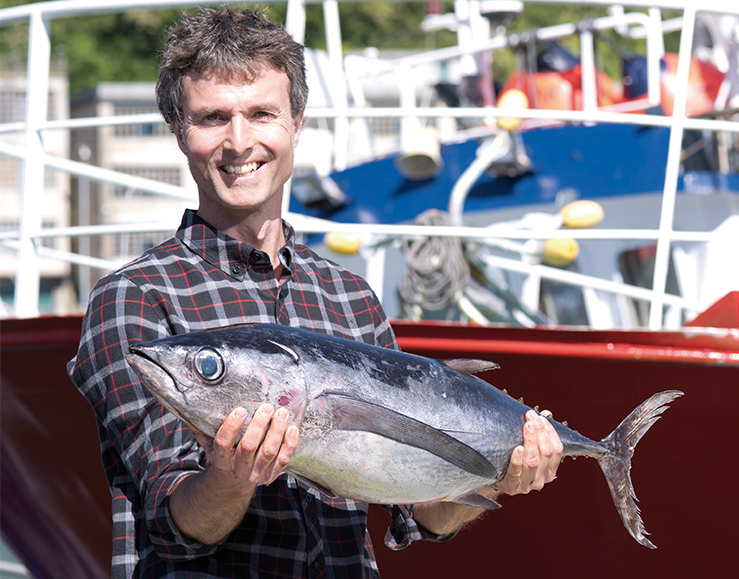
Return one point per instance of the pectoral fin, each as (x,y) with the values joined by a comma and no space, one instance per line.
(353,414)
(314,485)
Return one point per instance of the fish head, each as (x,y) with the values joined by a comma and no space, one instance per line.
(201,377)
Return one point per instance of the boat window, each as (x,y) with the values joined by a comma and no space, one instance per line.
(562,303)
(637,268)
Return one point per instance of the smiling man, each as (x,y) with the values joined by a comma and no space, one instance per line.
(232,87)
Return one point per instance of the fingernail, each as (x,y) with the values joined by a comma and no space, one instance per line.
(282,414)
(267,409)
(239,413)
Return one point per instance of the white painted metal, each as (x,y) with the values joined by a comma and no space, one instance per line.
(39,55)
(673,165)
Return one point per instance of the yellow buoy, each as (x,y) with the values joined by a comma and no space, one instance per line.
(343,242)
(512,99)
(581,214)
(559,252)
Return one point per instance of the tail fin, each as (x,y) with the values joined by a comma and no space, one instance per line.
(616,465)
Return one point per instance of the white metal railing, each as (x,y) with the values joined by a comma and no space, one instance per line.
(32,154)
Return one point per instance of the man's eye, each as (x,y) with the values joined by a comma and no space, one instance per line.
(212,117)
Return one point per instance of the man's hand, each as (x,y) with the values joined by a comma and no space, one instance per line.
(532,465)
(535,463)
(262,453)
(209,504)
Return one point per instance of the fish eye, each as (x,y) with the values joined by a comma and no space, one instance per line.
(209,364)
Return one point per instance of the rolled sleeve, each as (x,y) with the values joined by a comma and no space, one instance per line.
(404,530)
(169,542)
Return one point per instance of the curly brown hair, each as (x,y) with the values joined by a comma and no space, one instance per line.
(229,44)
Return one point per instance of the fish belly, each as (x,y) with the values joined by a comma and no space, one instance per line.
(366,467)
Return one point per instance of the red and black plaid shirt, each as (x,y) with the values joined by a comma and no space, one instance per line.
(202,279)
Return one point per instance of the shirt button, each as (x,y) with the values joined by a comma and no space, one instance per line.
(308,497)
(316,565)
(236,268)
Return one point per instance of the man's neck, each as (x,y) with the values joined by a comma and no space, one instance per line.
(264,234)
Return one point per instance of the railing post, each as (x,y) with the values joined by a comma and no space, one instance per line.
(295,20)
(27,280)
(339,96)
(669,195)
(589,80)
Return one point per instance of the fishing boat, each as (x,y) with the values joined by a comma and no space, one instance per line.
(576,226)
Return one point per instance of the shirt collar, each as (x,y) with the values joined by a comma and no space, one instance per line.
(231,256)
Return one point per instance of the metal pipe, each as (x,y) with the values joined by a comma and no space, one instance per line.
(27,278)
(662,257)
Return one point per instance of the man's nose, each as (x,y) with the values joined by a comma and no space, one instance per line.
(239,135)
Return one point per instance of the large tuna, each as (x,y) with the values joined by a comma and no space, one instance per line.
(376,425)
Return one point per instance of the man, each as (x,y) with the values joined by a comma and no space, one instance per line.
(232,87)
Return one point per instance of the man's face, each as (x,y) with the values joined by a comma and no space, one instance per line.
(238,138)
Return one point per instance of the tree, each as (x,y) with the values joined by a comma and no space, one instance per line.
(126,46)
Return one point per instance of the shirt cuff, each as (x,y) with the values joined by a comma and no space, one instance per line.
(404,530)
(169,542)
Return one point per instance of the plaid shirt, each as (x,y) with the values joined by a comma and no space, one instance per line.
(202,279)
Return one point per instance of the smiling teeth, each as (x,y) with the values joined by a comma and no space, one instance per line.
(241,170)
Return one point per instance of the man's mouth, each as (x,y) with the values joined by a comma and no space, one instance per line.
(241,170)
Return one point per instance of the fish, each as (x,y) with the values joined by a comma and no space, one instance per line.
(376,425)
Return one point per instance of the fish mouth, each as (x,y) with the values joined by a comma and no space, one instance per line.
(155,377)
(166,389)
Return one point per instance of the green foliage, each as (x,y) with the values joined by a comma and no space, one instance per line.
(126,46)
(111,47)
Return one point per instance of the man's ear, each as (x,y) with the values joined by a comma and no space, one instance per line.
(297,125)
(180,135)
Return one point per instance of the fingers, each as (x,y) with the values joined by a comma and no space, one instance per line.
(225,439)
(264,450)
(514,473)
(204,440)
(289,443)
(543,452)
(551,448)
(535,463)
(267,446)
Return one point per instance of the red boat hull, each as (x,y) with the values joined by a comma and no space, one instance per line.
(593,380)
(56,506)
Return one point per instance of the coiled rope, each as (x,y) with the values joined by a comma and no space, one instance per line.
(436,270)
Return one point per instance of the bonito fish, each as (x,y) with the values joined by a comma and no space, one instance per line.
(376,425)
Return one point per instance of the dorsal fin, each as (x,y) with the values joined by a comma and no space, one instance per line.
(469,365)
